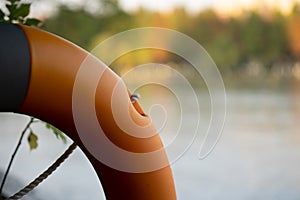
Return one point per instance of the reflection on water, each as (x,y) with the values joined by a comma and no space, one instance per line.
(257,157)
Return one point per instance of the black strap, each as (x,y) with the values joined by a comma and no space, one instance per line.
(14,67)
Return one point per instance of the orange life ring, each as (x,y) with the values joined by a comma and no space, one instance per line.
(38,71)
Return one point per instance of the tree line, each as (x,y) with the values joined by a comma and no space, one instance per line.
(269,39)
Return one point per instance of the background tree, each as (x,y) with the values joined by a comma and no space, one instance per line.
(294,31)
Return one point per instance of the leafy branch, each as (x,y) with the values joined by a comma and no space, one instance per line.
(57,132)
(14,153)
(32,141)
(18,13)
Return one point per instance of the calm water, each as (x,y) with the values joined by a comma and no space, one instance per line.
(257,157)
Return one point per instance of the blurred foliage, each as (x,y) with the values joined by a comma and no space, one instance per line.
(293,29)
(81,26)
(233,42)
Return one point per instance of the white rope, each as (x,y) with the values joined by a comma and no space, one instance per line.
(44,175)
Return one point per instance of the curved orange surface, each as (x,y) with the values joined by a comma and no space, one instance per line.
(54,66)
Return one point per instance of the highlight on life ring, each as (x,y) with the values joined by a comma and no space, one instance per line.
(36,66)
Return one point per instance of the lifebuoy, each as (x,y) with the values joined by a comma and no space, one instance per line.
(38,74)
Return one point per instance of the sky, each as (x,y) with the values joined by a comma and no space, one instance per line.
(226,7)
(167,5)
(223,6)
(46,6)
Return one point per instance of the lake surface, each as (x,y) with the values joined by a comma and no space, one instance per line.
(257,156)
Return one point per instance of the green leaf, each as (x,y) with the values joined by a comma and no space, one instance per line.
(57,132)
(32,22)
(32,140)
(13,1)
(2,15)
(24,10)
(12,10)
(20,12)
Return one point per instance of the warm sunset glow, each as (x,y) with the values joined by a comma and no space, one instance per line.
(238,7)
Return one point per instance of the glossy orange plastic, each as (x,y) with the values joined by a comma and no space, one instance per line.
(54,65)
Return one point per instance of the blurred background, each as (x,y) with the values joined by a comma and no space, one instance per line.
(256,47)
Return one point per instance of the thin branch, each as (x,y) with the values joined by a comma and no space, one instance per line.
(15,152)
